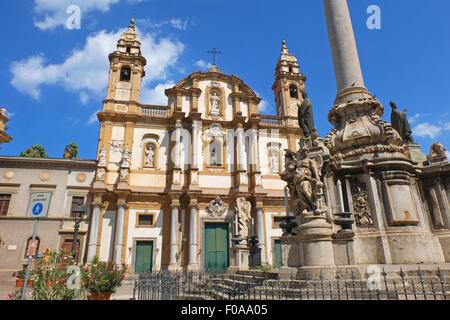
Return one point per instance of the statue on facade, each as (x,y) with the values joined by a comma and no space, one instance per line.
(303,176)
(102,157)
(243,212)
(123,175)
(150,155)
(274,160)
(400,123)
(126,157)
(215,102)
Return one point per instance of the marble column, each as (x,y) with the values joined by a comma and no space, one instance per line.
(260,233)
(174,266)
(241,150)
(177,156)
(195,127)
(93,236)
(118,239)
(343,45)
(255,153)
(193,246)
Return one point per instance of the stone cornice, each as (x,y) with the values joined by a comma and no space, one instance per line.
(47,163)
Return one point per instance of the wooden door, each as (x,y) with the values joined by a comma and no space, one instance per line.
(216,246)
(144,256)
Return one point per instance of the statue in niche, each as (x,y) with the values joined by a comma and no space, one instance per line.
(243,211)
(400,123)
(274,159)
(215,102)
(150,155)
(361,207)
(303,176)
(102,157)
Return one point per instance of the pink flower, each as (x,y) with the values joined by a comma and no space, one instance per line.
(100,273)
(82,283)
(57,281)
(90,279)
(110,272)
(123,276)
(10,296)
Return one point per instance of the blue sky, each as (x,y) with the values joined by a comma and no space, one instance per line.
(53,80)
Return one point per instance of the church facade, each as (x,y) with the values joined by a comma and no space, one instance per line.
(168,177)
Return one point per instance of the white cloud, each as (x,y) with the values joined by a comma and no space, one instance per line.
(425,129)
(414,118)
(54,13)
(263,106)
(93,118)
(86,70)
(203,65)
(178,24)
(147,23)
(156,96)
(447,126)
(448,155)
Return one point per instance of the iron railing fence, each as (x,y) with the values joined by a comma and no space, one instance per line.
(262,286)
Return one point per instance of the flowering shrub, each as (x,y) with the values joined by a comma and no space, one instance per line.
(101,277)
(55,278)
(21,273)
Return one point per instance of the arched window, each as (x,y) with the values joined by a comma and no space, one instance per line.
(293,91)
(125,74)
(215,154)
(35,248)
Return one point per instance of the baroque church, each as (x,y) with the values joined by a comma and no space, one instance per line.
(169,178)
(206,182)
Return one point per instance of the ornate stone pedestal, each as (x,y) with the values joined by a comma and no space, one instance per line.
(413,152)
(239,258)
(316,238)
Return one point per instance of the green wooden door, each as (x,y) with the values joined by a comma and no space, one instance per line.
(278,262)
(216,246)
(144,256)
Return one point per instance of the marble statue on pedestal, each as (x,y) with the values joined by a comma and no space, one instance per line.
(305,118)
(243,210)
(303,176)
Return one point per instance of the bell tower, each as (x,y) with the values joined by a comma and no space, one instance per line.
(289,83)
(126,71)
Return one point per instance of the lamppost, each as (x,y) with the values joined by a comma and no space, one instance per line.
(78,215)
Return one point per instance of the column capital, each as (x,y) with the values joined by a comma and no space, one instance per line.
(193,202)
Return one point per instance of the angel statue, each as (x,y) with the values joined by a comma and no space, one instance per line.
(243,211)
(303,176)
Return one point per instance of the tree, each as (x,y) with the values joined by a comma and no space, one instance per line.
(35,151)
(71,151)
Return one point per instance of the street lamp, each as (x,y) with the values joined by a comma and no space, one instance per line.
(78,214)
